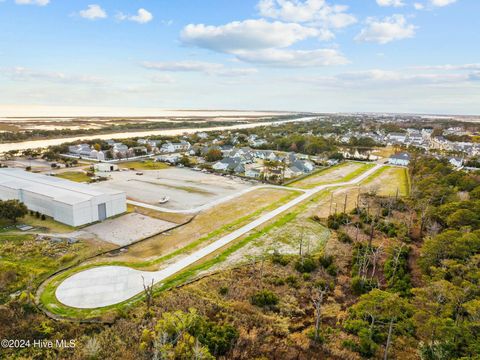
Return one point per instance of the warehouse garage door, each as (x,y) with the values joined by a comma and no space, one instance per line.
(102,212)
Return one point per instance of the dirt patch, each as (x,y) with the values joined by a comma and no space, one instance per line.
(127,229)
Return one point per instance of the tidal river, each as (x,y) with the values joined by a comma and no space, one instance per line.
(34,144)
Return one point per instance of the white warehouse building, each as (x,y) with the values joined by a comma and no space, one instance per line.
(65,201)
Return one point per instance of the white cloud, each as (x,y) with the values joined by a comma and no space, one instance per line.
(32,2)
(263,42)
(20,73)
(294,58)
(208,68)
(389,29)
(368,78)
(142,17)
(93,12)
(450,67)
(314,12)
(246,35)
(394,3)
(163,79)
(441,3)
(418,6)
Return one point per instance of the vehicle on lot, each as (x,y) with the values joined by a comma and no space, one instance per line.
(164,200)
(139,173)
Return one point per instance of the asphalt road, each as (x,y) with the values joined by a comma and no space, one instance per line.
(108,285)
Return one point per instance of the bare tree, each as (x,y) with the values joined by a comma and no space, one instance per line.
(148,293)
(317,300)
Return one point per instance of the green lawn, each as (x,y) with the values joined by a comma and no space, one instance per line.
(143,165)
(77,176)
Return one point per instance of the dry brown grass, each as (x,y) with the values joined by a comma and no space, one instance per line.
(171,217)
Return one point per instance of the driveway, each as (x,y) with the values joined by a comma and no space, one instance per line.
(108,285)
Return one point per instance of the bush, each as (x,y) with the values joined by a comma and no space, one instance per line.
(43,217)
(264,298)
(344,237)
(305,265)
(326,260)
(277,281)
(360,286)
(223,290)
(280,259)
(292,281)
(334,221)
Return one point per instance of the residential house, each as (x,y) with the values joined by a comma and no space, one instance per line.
(402,159)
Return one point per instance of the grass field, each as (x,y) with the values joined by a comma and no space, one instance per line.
(77,176)
(387,181)
(25,262)
(143,165)
(339,173)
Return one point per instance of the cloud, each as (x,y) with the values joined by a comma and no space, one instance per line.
(389,29)
(262,42)
(32,2)
(314,12)
(163,79)
(142,17)
(208,68)
(93,12)
(450,67)
(294,58)
(246,35)
(441,3)
(394,3)
(378,77)
(418,6)
(24,74)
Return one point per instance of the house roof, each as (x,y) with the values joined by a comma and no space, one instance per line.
(401,156)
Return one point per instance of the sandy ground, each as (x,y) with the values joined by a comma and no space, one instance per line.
(126,229)
(187,189)
(36,164)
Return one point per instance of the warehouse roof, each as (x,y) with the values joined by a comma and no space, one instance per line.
(61,190)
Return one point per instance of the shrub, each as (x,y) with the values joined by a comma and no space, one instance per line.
(223,290)
(305,265)
(264,298)
(344,237)
(43,217)
(292,281)
(360,286)
(334,221)
(326,260)
(280,259)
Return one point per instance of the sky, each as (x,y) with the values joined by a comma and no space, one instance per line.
(405,56)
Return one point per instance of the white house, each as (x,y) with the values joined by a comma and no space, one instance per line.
(456,162)
(253,173)
(105,167)
(402,159)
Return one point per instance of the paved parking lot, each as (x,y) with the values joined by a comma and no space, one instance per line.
(186,189)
